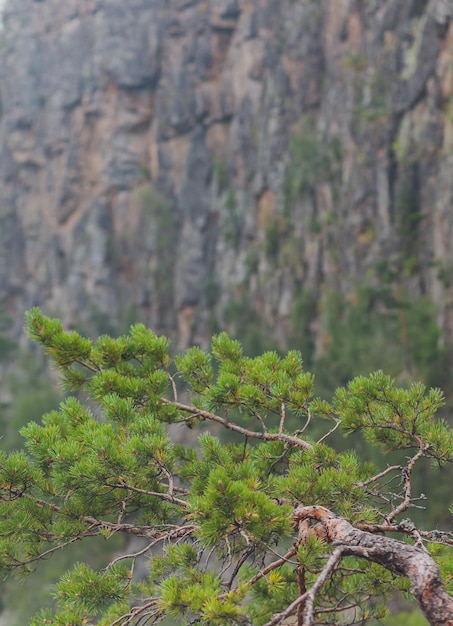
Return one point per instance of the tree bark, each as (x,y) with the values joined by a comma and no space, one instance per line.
(397,556)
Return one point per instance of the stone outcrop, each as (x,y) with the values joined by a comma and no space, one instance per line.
(159,159)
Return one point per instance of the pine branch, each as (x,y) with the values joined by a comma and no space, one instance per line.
(396,556)
(264,436)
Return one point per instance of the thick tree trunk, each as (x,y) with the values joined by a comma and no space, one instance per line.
(401,558)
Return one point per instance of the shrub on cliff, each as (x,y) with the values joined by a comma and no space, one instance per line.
(270,527)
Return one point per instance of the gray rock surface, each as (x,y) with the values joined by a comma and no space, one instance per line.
(151,151)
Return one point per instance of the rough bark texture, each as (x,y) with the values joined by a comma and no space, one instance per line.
(295,145)
(401,558)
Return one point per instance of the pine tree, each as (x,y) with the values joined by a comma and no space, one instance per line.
(270,525)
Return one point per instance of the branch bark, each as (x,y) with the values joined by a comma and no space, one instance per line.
(400,558)
(251,434)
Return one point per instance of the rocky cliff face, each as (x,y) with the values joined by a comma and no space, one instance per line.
(161,159)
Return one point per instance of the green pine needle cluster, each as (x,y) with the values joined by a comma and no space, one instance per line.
(140,450)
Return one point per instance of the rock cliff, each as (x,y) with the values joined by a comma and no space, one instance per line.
(162,159)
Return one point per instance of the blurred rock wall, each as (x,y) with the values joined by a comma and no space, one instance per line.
(161,158)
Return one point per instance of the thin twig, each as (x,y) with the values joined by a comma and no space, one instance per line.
(407,472)
(173,385)
(282,418)
(163,496)
(332,430)
(259,418)
(368,481)
(281,561)
(244,556)
(311,593)
(279,617)
(135,555)
(60,546)
(135,612)
(307,423)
